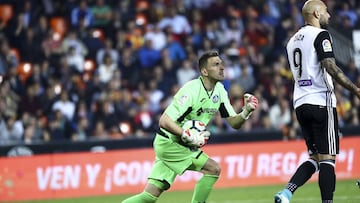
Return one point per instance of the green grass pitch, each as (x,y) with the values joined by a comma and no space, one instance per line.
(346,192)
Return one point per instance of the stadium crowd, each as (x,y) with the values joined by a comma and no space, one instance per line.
(100,69)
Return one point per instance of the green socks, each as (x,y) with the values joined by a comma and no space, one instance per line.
(203,188)
(143,197)
(202,191)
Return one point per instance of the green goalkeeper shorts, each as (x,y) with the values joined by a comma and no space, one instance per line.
(173,159)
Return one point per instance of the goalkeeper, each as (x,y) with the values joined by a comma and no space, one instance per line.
(178,150)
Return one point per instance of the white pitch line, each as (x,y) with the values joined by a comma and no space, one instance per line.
(294,200)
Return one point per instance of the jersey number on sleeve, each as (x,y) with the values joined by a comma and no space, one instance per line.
(297,56)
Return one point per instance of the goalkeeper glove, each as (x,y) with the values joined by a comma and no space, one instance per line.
(250,104)
(194,138)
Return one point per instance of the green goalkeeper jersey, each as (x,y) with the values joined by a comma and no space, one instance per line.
(194,102)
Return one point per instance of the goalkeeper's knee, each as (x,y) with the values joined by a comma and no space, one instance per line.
(162,185)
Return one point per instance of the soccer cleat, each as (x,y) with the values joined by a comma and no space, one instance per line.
(283,196)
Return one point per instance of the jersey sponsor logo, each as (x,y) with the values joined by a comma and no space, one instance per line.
(210,111)
(326,44)
(182,100)
(215,98)
(303,83)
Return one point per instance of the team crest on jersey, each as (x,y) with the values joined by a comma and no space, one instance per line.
(326,45)
(215,98)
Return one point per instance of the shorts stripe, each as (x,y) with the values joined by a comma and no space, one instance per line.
(331,128)
(331,131)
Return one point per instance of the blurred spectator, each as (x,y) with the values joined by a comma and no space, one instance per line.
(48,98)
(65,106)
(166,74)
(51,47)
(346,12)
(75,60)
(232,51)
(93,40)
(185,73)
(233,33)
(126,107)
(130,69)
(115,83)
(269,17)
(345,27)
(295,13)
(30,102)
(124,11)
(107,49)
(83,111)
(155,96)
(134,36)
(280,114)
(81,131)
(351,71)
(149,58)
(11,130)
(215,34)
(72,40)
(60,128)
(156,36)
(281,36)
(107,68)
(246,80)
(100,133)
(343,105)
(30,13)
(81,12)
(143,121)
(30,51)
(106,113)
(93,89)
(177,22)
(75,88)
(197,37)
(15,81)
(8,60)
(175,49)
(35,131)
(39,75)
(102,15)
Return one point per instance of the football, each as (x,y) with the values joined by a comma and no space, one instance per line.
(194,125)
(195,134)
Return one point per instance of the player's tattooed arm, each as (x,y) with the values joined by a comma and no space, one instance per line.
(338,74)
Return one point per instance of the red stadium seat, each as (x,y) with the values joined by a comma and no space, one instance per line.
(58,25)
(6,13)
(24,70)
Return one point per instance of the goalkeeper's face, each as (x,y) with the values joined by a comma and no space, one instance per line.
(215,69)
